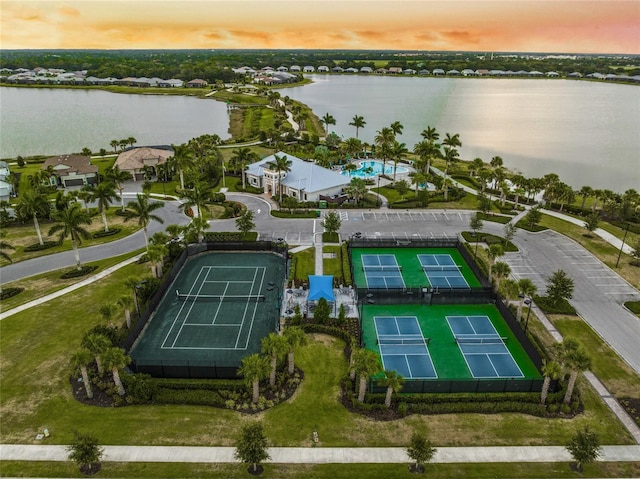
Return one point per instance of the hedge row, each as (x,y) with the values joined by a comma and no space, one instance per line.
(102,234)
(294,214)
(346,269)
(76,273)
(199,397)
(489,239)
(330,330)
(7,293)
(40,247)
(223,236)
(441,398)
(478,408)
(495,218)
(207,384)
(563,307)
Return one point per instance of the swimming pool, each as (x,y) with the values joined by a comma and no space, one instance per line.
(376,169)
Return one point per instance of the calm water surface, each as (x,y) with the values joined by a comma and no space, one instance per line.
(52,121)
(586,132)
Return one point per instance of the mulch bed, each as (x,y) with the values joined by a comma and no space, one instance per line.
(100,398)
(632,406)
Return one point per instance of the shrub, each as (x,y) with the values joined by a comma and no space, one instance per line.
(102,234)
(10,292)
(40,247)
(76,273)
(346,265)
(402,409)
(140,388)
(562,307)
(330,330)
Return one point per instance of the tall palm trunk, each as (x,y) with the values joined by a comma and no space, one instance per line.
(85,380)
(104,220)
(127,317)
(272,375)
(291,363)
(545,390)
(76,253)
(181,179)
(117,381)
(146,237)
(99,364)
(387,398)
(256,390)
(121,190)
(570,385)
(363,387)
(37,226)
(520,306)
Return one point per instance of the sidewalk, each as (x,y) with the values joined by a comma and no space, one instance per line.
(319,455)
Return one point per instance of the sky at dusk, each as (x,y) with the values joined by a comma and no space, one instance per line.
(601,26)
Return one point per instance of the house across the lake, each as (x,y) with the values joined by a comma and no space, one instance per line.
(71,170)
(305,181)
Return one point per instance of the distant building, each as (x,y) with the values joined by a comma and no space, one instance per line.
(197,83)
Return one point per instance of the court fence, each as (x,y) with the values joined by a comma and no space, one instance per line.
(154,301)
(192,250)
(424,296)
(495,385)
(183,369)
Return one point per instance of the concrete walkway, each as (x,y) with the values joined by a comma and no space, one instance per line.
(319,455)
(69,289)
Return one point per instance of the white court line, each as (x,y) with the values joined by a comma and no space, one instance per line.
(244,316)
(190,307)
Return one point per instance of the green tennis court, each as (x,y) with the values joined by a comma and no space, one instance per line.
(391,268)
(217,310)
(450,359)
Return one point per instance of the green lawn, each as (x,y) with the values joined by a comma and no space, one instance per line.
(322,471)
(617,376)
(332,265)
(305,264)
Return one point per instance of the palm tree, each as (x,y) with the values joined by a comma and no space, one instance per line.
(104,193)
(399,150)
(358,122)
(143,210)
(69,225)
(196,197)
(155,255)
(450,156)
(575,358)
(500,271)
(114,145)
(79,362)
(275,347)
(366,364)
(551,371)
(119,176)
(114,359)
(452,141)
(494,252)
(195,229)
(254,368)
(426,150)
(183,159)
(526,288)
(281,164)
(126,302)
(430,134)
(327,119)
(4,245)
(131,141)
(476,164)
(397,128)
(241,158)
(417,178)
(357,189)
(350,167)
(352,146)
(393,382)
(32,204)
(97,344)
(295,337)
(383,140)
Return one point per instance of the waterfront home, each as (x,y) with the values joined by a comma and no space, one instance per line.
(282,69)
(71,170)
(197,83)
(136,160)
(438,72)
(295,68)
(337,69)
(305,180)
(366,70)
(4,170)
(323,69)
(308,69)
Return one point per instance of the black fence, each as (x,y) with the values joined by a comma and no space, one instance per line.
(504,385)
(154,301)
(187,369)
(381,242)
(519,333)
(280,248)
(484,281)
(424,296)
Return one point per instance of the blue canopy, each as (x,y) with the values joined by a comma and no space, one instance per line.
(321,287)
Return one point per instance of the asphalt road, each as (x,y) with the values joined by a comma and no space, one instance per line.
(599,291)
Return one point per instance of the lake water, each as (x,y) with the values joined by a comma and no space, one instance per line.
(53,121)
(586,132)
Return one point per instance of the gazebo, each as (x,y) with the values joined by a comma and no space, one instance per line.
(320,287)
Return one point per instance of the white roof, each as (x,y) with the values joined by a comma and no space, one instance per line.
(304,175)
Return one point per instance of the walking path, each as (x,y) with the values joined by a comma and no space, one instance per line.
(318,455)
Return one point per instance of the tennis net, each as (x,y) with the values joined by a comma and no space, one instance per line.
(403,341)
(448,267)
(221,297)
(382,268)
(496,340)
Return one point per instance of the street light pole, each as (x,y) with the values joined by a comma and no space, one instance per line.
(622,245)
